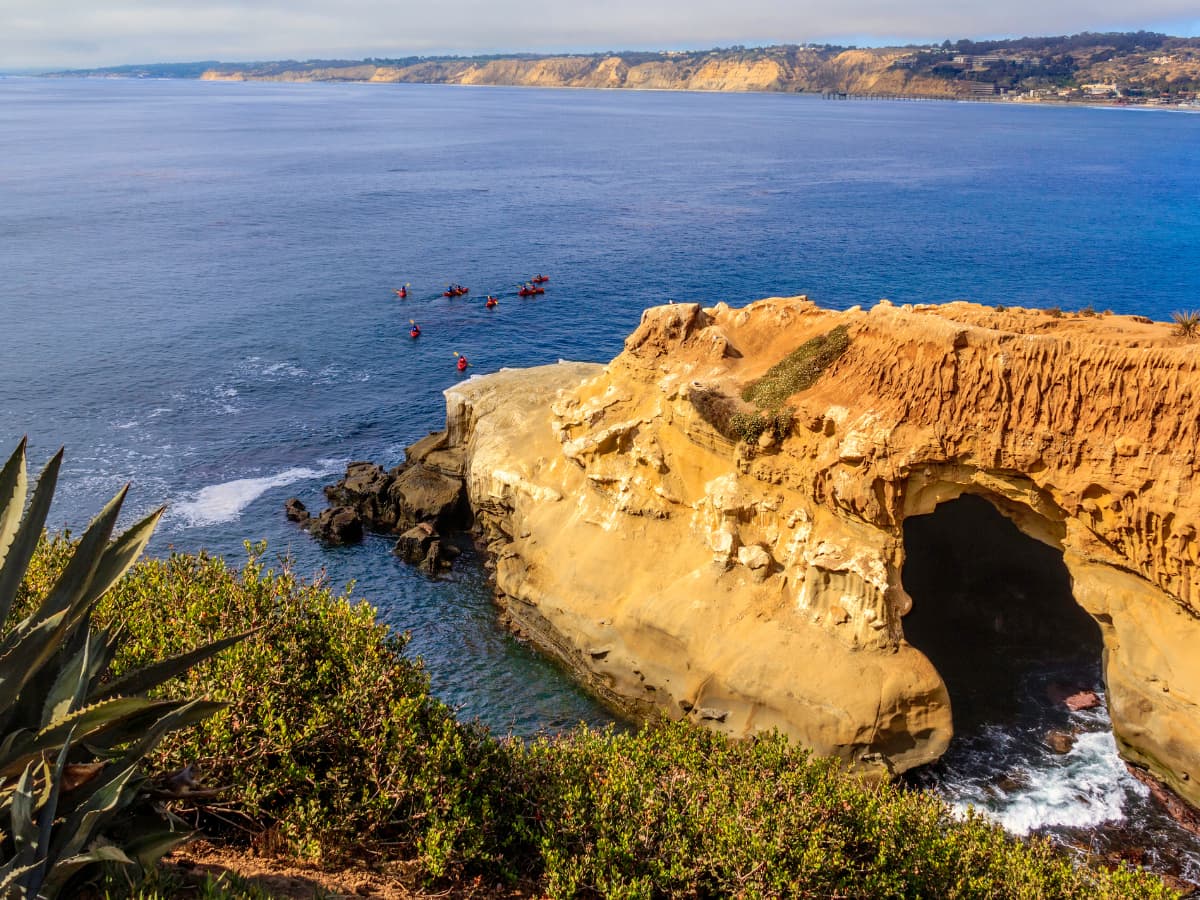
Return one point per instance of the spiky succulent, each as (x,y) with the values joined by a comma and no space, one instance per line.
(72,739)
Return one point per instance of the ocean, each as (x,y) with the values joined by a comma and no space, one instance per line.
(196,295)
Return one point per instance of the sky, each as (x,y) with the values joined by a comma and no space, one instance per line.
(90,33)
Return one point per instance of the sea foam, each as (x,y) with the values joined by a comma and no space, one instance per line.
(224,502)
(1083,788)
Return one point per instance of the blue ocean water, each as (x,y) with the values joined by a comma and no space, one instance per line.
(196,278)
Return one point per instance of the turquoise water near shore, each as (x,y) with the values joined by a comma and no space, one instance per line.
(197,281)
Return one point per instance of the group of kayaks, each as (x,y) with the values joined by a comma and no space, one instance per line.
(530,288)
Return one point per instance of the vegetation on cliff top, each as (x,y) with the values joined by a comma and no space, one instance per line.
(799,370)
(333,745)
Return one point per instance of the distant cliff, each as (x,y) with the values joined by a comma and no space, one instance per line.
(1125,67)
(1139,67)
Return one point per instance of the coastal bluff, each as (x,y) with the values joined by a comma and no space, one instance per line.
(681,562)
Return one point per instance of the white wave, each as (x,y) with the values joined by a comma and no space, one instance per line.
(224,502)
(1082,788)
(285,368)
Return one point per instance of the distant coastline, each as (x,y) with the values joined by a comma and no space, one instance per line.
(1128,69)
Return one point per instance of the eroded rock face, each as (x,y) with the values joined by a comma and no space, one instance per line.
(756,584)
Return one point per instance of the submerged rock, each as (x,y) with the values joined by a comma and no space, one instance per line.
(1060,741)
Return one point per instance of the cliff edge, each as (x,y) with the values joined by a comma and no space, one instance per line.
(688,551)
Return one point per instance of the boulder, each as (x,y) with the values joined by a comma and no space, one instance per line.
(364,488)
(337,525)
(419,494)
(1082,700)
(413,546)
(296,511)
(1060,741)
(421,546)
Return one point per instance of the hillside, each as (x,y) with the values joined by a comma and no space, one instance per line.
(1141,67)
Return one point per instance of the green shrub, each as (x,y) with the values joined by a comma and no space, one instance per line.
(799,370)
(334,745)
(682,811)
(329,736)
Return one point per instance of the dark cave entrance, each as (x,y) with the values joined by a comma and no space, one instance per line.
(993,611)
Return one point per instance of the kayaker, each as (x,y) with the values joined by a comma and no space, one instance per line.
(415,331)
(462,362)
(491,301)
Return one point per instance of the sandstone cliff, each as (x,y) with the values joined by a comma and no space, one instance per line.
(790,69)
(758,585)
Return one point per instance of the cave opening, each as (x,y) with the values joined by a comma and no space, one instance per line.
(992,609)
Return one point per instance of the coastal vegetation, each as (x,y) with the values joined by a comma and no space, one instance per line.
(329,746)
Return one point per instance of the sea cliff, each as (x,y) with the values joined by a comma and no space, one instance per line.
(688,553)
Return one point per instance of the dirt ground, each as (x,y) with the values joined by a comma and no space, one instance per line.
(290,880)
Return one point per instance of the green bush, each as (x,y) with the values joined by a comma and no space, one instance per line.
(334,745)
(681,811)
(799,370)
(330,737)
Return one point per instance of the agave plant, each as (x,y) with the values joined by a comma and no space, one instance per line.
(1187,323)
(72,738)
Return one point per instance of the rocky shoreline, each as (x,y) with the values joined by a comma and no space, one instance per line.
(422,501)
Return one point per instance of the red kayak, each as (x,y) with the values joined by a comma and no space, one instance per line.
(540,279)
(456,291)
(530,291)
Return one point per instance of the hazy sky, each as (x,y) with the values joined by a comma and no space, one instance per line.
(66,33)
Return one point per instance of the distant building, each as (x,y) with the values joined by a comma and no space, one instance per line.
(981,89)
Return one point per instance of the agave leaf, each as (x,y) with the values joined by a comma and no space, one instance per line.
(70,688)
(32,881)
(155,674)
(11,875)
(13,485)
(24,831)
(86,819)
(20,551)
(65,869)
(98,717)
(141,725)
(73,583)
(107,645)
(122,553)
(149,848)
(23,662)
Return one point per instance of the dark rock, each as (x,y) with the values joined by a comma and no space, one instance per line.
(337,525)
(435,440)
(419,494)
(1013,781)
(413,546)
(1060,741)
(1176,808)
(296,511)
(433,561)
(422,547)
(364,487)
